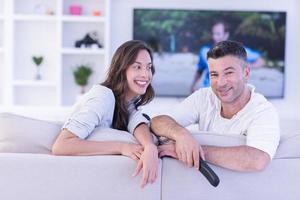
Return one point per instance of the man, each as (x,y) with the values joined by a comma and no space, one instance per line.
(219,33)
(229,106)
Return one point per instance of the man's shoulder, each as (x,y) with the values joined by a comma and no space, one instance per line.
(206,95)
(204,91)
(259,102)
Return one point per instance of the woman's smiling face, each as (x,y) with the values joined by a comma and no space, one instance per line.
(139,75)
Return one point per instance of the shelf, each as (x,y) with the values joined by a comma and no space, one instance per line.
(38,7)
(34,83)
(70,18)
(27,29)
(73,32)
(68,85)
(88,6)
(20,17)
(34,96)
(79,51)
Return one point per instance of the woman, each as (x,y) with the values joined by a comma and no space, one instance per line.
(114,104)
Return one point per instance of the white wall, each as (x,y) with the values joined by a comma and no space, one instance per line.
(121,30)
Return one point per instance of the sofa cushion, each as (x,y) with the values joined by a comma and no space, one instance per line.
(19,134)
(109,134)
(289,145)
(289,126)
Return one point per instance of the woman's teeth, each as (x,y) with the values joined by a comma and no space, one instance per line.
(142,83)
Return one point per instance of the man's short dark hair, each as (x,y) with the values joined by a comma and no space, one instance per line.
(227,47)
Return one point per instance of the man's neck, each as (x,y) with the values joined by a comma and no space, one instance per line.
(228,110)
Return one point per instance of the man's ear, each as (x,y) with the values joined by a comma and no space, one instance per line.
(247,71)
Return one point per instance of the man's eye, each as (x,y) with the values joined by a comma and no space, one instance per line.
(228,73)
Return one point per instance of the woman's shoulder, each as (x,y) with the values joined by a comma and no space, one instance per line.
(98,98)
(100,91)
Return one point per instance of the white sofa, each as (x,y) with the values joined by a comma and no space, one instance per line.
(28,171)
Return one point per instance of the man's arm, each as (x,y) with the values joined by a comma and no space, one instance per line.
(240,158)
(187,148)
(165,126)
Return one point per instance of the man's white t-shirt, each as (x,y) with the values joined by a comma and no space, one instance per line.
(96,109)
(258,121)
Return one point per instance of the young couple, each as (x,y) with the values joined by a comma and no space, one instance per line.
(230,105)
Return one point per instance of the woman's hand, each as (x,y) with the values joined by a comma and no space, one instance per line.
(148,162)
(132,150)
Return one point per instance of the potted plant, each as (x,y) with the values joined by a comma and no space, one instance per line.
(81,76)
(37,60)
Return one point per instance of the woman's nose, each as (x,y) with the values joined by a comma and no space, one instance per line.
(145,72)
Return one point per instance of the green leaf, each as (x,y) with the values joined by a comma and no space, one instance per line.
(82,74)
(37,60)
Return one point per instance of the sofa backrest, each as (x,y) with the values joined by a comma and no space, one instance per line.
(20,134)
(288,145)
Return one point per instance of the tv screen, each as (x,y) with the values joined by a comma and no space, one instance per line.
(181,38)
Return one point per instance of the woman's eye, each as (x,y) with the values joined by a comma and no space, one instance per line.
(149,67)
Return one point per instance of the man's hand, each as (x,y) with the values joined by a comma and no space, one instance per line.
(167,150)
(188,150)
(148,162)
(186,147)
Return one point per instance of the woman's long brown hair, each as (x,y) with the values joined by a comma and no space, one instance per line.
(116,80)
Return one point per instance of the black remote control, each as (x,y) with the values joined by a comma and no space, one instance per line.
(209,174)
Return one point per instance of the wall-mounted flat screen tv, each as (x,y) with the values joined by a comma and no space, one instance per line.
(181,38)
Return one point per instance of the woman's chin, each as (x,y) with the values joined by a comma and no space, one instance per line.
(141,92)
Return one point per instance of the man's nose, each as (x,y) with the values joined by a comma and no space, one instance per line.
(222,81)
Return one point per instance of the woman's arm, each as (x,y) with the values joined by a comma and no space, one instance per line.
(149,158)
(68,143)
